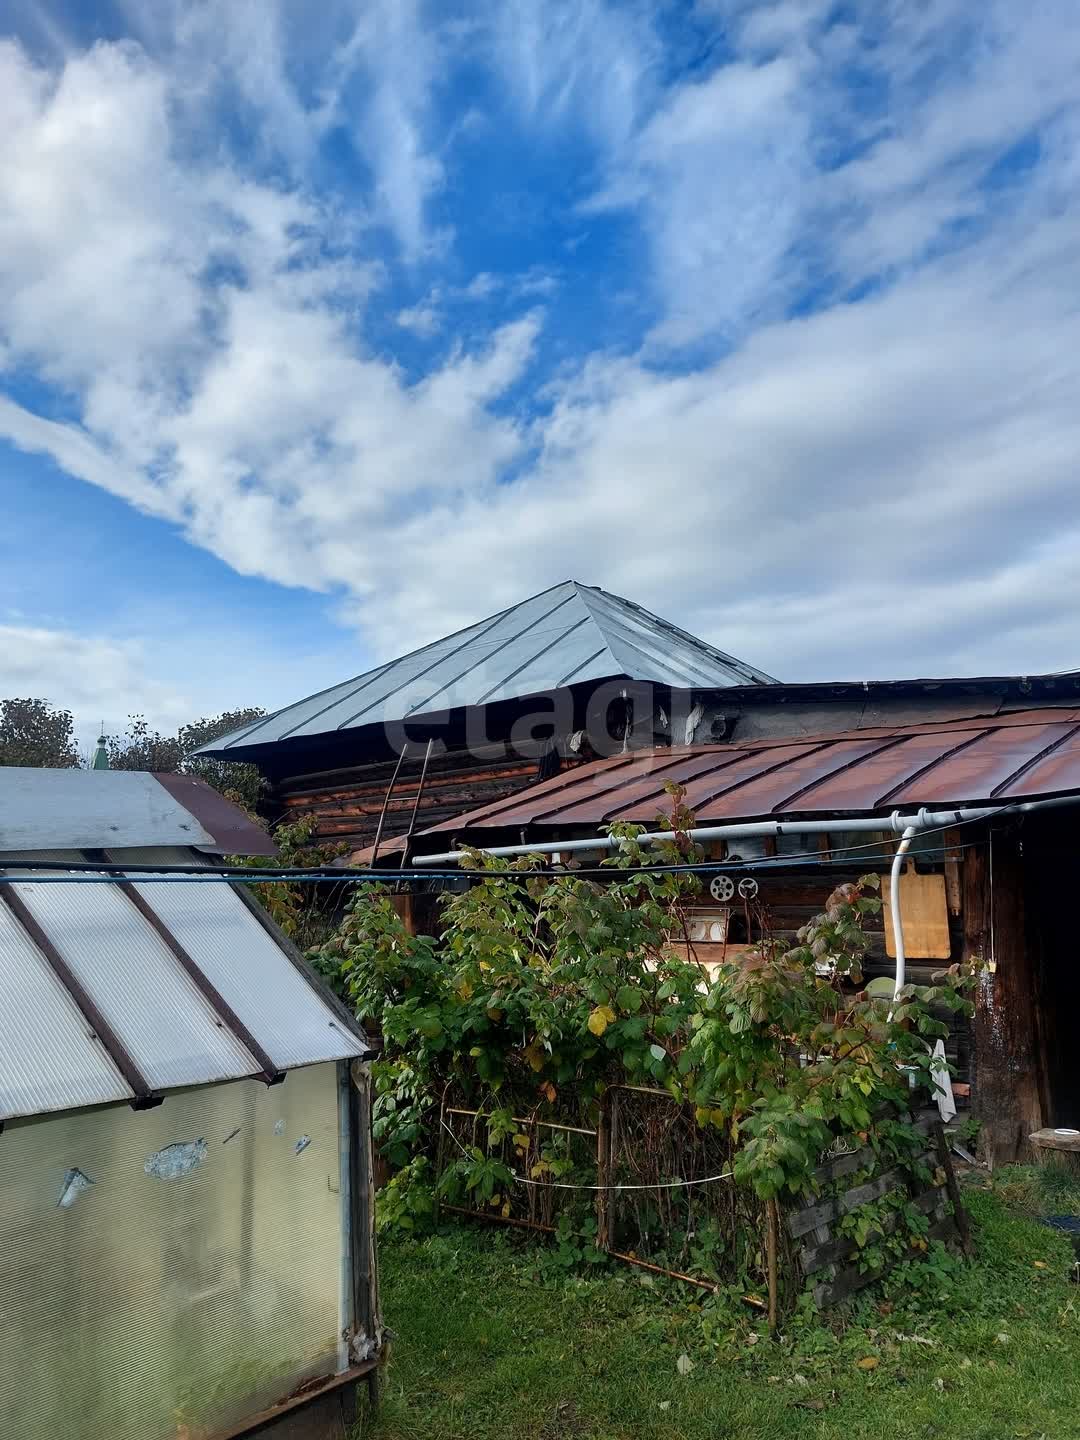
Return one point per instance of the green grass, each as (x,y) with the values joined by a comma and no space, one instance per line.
(486,1348)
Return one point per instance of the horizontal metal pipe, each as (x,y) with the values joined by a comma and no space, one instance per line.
(896,822)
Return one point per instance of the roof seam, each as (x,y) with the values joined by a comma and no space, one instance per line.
(486,629)
(925,769)
(760,774)
(613,763)
(694,641)
(1036,760)
(675,759)
(202,982)
(533,658)
(107,1037)
(420,708)
(226,741)
(571,673)
(840,770)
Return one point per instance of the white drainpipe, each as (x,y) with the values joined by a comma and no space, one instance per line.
(894,905)
(906,826)
(922,820)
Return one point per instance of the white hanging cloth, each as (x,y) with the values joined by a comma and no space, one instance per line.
(945,1103)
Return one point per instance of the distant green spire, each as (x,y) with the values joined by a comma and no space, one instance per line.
(101,756)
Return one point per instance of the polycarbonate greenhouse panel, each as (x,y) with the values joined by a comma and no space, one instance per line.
(249,969)
(49,1058)
(170,1272)
(164,1022)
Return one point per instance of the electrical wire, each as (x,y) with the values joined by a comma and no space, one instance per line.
(99,872)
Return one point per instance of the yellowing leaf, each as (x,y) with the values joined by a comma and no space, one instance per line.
(600,1019)
(534,1054)
(868,1362)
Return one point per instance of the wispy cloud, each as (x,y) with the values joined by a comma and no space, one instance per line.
(846,386)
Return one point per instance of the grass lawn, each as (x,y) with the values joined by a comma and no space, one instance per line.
(488,1344)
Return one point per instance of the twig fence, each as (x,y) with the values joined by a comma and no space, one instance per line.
(642,1137)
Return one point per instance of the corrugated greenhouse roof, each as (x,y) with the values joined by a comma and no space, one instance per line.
(113,992)
(564,635)
(1005,757)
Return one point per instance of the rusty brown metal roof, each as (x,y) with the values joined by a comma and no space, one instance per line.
(1017,756)
(233,831)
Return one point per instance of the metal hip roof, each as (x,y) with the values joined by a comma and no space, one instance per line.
(565,635)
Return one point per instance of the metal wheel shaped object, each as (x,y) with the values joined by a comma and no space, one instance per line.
(748,888)
(722,887)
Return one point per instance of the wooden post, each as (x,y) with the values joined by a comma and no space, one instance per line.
(603,1173)
(1006,1087)
(960,1215)
(772,1236)
(365,1265)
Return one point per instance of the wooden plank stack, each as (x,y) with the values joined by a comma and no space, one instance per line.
(832,1259)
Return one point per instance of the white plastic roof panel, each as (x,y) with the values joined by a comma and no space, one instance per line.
(84,809)
(156,1010)
(290,1020)
(49,1058)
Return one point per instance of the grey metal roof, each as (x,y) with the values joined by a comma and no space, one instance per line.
(564,635)
(93,809)
(184,985)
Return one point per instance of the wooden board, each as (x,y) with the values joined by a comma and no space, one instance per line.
(709,955)
(925,916)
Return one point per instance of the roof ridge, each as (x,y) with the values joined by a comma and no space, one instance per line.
(695,641)
(586,601)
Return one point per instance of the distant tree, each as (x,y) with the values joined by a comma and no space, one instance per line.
(35,732)
(142,748)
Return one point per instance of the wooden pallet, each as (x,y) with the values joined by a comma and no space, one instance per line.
(832,1259)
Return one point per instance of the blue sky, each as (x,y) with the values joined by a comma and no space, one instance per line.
(326,330)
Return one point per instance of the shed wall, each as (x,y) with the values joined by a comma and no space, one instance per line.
(177,1299)
(346,803)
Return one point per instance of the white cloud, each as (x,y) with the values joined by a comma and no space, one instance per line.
(384,79)
(208,329)
(422,320)
(863,490)
(105,678)
(88,675)
(868,491)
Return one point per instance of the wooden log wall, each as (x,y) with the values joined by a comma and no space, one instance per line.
(346,803)
(1010,1078)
